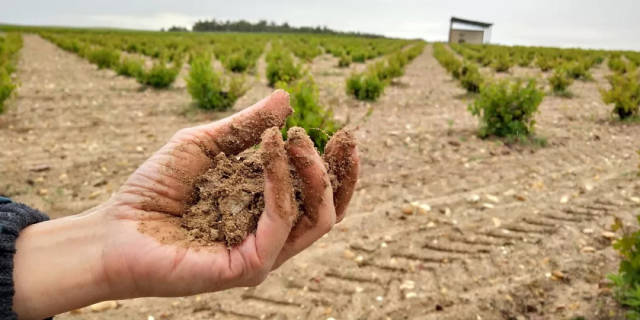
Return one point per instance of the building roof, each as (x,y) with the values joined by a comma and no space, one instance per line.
(471,22)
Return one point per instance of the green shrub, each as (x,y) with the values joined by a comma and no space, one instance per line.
(176,57)
(447,59)
(77,48)
(414,51)
(359,56)
(206,86)
(159,76)
(6,88)
(237,63)
(305,51)
(345,60)
(597,59)
(525,59)
(578,70)
(10,45)
(560,81)
(616,64)
(624,94)
(470,77)
(506,109)
(501,63)
(130,67)
(317,121)
(545,63)
(281,67)
(626,282)
(386,70)
(365,86)
(104,57)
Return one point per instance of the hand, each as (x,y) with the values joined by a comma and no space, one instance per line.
(101,254)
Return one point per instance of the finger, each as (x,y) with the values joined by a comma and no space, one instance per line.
(172,169)
(280,210)
(341,154)
(243,130)
(317,195)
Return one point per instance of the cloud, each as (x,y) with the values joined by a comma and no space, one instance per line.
(586,23)
(147,22)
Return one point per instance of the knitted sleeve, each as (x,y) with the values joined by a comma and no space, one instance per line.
(13,218)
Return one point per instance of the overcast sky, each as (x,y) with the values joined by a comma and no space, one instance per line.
(610,24)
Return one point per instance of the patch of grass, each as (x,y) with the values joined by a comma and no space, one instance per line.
(531,140)
(634,119)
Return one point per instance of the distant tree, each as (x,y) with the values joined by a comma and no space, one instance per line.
(178,29)
(214,25)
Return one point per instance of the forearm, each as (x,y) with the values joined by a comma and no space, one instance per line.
(58,266)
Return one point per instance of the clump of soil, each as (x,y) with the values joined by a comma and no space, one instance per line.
(229,199)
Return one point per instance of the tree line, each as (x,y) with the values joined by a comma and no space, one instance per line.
(214,25)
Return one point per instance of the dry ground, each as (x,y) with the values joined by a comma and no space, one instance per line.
(512,232)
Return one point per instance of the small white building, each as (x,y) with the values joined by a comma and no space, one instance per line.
(469,31)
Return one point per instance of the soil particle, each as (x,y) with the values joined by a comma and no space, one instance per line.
(229,197)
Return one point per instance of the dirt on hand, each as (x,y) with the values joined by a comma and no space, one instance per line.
(229,197)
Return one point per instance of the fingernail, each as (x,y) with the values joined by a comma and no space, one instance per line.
(343,139)
(281,98)
(298,136)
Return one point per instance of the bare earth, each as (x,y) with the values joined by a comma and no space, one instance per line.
(512,232)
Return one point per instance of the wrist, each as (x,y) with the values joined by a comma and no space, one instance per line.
(58,265)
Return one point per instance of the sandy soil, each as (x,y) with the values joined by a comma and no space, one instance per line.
(494,232)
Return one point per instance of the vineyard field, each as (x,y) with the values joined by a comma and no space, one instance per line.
(474,200)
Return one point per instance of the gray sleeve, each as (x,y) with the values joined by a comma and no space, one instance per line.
(13,218)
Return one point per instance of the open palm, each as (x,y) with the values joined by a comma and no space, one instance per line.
(155,195)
